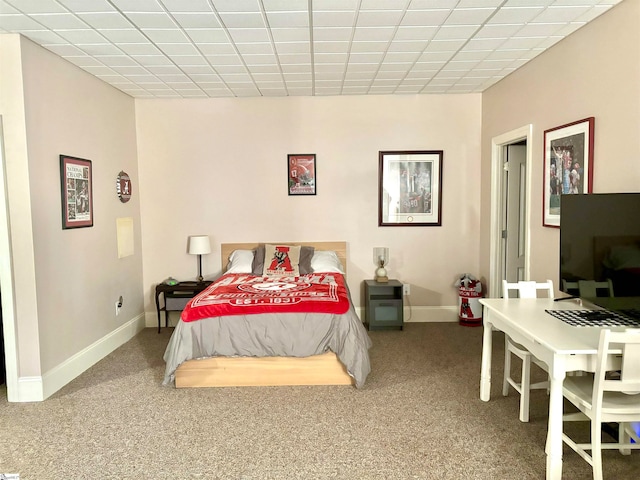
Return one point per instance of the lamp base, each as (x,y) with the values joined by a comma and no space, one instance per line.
(381,275)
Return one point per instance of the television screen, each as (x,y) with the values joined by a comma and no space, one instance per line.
(600,248)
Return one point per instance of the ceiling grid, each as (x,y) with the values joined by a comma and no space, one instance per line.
(249,48)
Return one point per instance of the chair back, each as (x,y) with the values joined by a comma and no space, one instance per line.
(629,380)
(588,288)
(591,288)
(527,289)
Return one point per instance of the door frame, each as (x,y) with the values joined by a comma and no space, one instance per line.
(497,168)
(6,282)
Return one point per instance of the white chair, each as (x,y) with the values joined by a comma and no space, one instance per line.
(523,387)
(607,398)
(589,288)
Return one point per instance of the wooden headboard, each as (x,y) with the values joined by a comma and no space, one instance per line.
(339,247)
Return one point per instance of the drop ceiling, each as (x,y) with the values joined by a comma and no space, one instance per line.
(249,48)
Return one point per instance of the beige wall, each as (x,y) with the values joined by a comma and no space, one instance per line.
(594,72)
(66,281)
(219,167)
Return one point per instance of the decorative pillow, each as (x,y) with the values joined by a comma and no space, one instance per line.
(306,253)
(240,261)
(326,261)
(281,260)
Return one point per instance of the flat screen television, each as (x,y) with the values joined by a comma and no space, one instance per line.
(600,241)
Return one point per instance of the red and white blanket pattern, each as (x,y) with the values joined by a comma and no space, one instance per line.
(244,294)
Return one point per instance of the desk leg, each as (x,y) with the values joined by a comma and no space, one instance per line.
(158,310)
(487,347)
(554,431)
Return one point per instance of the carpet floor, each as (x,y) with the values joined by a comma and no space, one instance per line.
(418,417)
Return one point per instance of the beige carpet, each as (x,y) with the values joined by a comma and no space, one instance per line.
(418,417)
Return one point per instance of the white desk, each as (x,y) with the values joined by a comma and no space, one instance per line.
(562,347)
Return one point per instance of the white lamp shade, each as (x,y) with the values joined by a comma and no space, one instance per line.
(199,245)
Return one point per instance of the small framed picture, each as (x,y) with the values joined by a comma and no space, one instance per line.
(568,165)
(77,192)
(302,174)
(410,188)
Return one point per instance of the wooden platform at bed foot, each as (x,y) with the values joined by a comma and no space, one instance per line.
(323,369)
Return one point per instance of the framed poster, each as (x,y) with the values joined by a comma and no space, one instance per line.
(568,165)
(410,188)
(302,174)
(77,192)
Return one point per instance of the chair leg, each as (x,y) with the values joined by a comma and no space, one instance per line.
(624,438)
(596,449)
(507,368)
(525,389)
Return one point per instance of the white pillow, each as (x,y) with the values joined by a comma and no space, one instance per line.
(240,261)
(326,261)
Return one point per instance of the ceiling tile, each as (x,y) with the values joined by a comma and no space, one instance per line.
(379,18)
(146,20)
(334,19)
(247,35)
(288,19)
(469,16)
(425,17)
(242,20)
(162,35)
(43,37)
(236,5)
(139,48)
(138,5)
(103,20)
(36,6)
(187,5)
(82,36)
(197,20)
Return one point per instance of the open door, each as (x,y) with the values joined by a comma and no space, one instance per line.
(510,208)
(514,209)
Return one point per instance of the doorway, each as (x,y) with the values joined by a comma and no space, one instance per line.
(510,208)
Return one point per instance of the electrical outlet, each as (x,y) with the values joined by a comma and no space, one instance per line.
(118,305)
(406,289)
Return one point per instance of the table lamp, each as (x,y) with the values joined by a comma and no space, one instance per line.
(199,245)
(381,258)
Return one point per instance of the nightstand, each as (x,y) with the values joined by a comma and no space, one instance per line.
(176,297)
(383,308)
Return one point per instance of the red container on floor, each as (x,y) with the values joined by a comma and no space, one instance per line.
(469,307)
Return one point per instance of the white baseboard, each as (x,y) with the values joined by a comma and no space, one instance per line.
(423,314)
(36,389)
(430,314)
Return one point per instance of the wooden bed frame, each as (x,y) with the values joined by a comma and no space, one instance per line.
(323,369)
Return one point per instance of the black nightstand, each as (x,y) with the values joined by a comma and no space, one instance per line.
(383,308)
(176,297)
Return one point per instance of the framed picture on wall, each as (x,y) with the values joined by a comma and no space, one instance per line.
(568,165)
(410,188)
(77,192)
(302,174)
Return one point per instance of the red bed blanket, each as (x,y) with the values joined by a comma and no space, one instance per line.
(244,294)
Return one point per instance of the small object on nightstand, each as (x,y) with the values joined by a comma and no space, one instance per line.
(381,258)
(171,281)
(383,305)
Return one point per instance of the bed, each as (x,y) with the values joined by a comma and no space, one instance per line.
(272,346)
